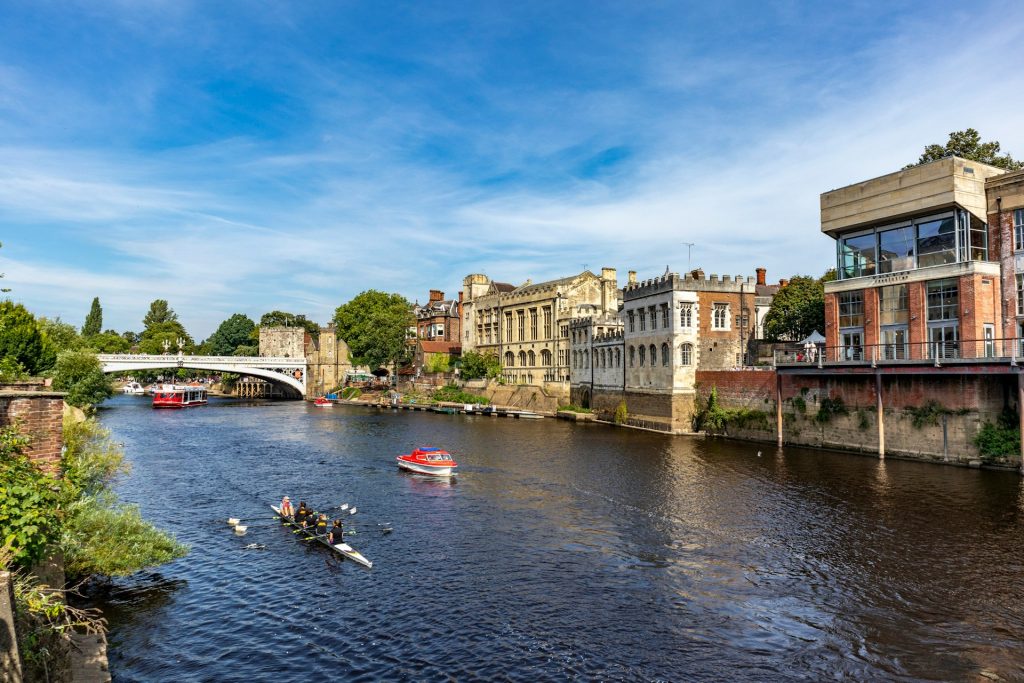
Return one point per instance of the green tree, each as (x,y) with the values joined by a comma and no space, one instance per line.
(152,340)
(108,342)
(62,335)
(797,310)
(285,319)
(478,365)
(93,321)
(22,340)
(159,312)
(80,374)
(967,144)
(374,326)
(231,334)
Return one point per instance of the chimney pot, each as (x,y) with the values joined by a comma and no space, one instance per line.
(783,282)
(761,273)
(632,277)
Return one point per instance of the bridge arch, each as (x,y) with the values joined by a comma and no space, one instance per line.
(280,371)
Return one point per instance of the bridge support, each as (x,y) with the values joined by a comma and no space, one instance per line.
(881,415)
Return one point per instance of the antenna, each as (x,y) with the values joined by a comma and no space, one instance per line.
(689,246)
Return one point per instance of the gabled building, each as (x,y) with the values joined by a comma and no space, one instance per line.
(439,319)
(527,327)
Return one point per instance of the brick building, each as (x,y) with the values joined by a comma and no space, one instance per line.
(439,319)
(918,265)
(1004,195)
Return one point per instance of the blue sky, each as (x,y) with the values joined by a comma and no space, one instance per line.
(249,156)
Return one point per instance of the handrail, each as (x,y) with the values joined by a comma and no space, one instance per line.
(1009,349)
(263,360)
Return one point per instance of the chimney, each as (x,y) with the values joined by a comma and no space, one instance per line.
(608,274)
(632,277)
(697,274)
(436,295)
(761,272)
(783,282)
(460,298)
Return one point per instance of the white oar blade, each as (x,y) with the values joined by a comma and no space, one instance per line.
(234,521)
(352,511)
(344,507)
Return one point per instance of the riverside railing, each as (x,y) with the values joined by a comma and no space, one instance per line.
(1009,350)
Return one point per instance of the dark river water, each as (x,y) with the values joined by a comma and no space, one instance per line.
(560,551)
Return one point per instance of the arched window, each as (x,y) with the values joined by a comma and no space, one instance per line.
(532,357)
(686,354)
(643,352)
(604,359)
(665,355)
(510,359)
(618,358)
(632,356)
(586,359)
(545,357)
(654,356)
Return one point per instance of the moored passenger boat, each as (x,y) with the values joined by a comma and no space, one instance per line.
(174,396)
(133,388)
(426,460)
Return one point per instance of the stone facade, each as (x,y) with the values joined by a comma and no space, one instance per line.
(1005,205)
(667,329)
(283,342)
(527,327)
(328,359)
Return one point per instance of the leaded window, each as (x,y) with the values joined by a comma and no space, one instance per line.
(1020,294)
(664,316)
(686,315)
(719,316)
(686,354)
(643,322)
(665,355)
(632,320)
(642,352)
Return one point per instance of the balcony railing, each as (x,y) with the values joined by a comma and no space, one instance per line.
(1009,350)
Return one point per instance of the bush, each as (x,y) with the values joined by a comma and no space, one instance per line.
(479,365)
(829,408)
(453,394)
(571,408)
(30,510)
(80,374)
(349,393)
(621,413)
(437,362)
(1003,438)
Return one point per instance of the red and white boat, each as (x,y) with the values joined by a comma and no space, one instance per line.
(174,396)
(323,402)
(426,460)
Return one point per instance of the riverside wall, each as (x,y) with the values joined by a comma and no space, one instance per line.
(38,415)
(926,417)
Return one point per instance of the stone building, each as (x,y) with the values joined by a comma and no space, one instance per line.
(918,266)
(667,329)
(439,319)
(328,360)
(282,342)
(527,327)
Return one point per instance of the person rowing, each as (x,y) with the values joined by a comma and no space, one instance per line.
(321,525)
(301,514)
(337,534)
(286,507)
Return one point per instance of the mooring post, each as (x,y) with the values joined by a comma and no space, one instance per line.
(778,408)
(881,415)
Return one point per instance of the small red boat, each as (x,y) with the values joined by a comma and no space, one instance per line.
(323,402)
(426,460)
(172,396)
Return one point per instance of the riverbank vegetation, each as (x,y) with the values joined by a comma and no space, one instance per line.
(453,394)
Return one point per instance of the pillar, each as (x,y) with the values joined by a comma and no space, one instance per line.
(881,415)
(778,407)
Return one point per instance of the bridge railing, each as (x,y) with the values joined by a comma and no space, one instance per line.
(1009,350)
(142,357)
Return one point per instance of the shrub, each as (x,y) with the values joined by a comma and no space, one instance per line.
(79,374)
(928,414)
(30,500)
(1002,438)
(829,408)
(621,413)
(453,394)
(571,408)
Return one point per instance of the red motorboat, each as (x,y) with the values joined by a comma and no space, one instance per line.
(172,396)
(323,402)
(425,460)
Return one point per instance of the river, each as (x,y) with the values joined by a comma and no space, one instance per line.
(559,551)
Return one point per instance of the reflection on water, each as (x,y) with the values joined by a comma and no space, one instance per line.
(558,551)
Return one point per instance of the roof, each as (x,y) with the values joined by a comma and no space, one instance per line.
(503,286)
(439,346)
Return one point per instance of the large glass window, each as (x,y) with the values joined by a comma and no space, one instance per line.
(857,256)
(893,305)
(851,309)
(1018,229)
(896,249)
(1020,294)
(943,300)
(936,243)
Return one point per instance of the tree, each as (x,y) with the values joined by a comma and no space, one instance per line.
(232,333)
(108,342)
(80,374)
(22,339)
(285,319)
(797,310)
(967,144)
(62,335)
(152,340)
(93,321)
(159,312)
(374,325)
(478,365)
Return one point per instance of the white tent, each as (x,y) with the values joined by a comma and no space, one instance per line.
(813,338)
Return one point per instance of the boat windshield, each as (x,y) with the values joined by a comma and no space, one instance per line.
(437,456)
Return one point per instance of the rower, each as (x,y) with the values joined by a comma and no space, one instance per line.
(286,507)
(301,514)
(321,525)
(337,534)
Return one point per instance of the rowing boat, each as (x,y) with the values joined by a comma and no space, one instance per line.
(343,549)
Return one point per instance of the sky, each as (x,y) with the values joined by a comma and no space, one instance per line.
(245,156)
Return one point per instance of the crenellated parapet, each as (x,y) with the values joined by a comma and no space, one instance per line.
(693,281)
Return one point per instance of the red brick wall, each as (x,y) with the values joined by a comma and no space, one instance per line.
(40,417)
(739,388)
(1000,248)
(831,320)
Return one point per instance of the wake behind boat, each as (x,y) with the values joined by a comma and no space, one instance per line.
(343,549)
(427,460)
